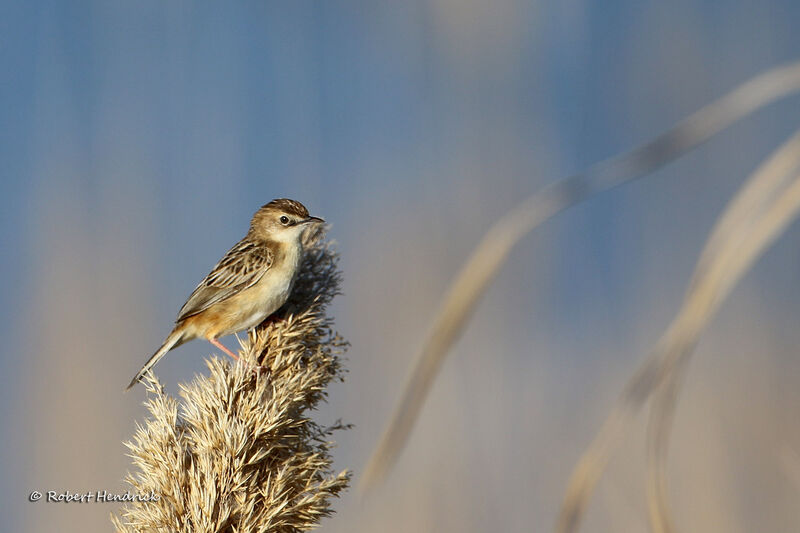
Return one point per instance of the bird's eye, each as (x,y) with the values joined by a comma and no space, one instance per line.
(284,220)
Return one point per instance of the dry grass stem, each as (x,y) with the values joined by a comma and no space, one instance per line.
(791,465)
(492,251)
(764,185)
(238,452)
(738,243)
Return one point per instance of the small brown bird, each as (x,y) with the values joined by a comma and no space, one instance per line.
(252,281)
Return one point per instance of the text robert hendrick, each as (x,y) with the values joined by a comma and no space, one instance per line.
(96,496)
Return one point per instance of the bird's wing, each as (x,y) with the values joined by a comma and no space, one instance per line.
(240,268)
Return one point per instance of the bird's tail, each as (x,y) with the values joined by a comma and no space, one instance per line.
(173,340)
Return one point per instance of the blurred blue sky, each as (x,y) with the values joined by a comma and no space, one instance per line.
(137,138)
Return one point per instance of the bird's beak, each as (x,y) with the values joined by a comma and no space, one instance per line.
(309,220)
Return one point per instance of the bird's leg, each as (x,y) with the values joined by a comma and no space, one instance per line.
(255,368)
(219,345)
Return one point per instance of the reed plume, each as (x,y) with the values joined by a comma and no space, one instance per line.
(238,451)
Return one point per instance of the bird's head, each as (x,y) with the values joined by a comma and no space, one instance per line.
(283,220)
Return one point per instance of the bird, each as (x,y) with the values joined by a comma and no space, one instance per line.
(251,281)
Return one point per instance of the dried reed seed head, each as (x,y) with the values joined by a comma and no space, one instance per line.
(239,452)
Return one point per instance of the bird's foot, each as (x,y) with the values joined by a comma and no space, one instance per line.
(272,319)
(259,370)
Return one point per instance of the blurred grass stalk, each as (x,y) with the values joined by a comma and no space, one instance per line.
(763,208)
(738,223)
(719,268)
(240,452)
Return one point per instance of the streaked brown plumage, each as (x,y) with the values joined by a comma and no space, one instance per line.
(251,281)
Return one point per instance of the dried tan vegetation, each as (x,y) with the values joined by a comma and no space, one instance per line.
(755,217)
(767,203)
(238,451)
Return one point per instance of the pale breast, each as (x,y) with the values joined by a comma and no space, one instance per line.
(251,306)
